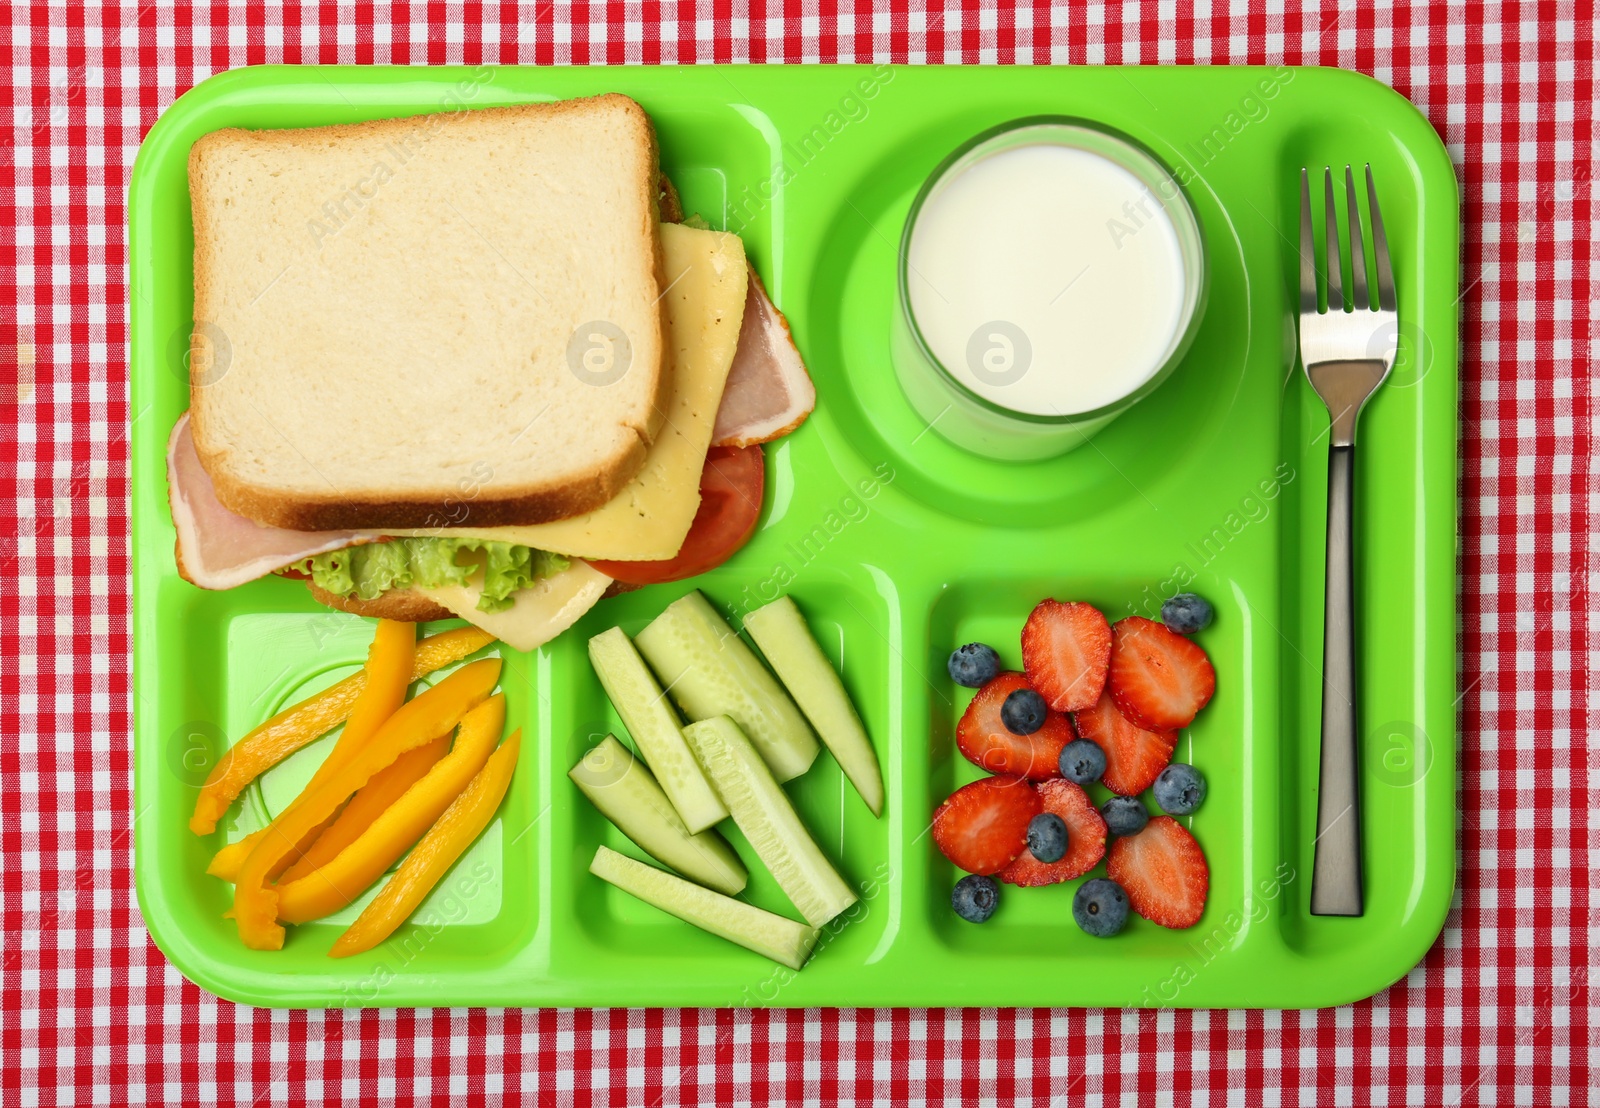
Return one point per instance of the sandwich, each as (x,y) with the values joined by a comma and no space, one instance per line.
(472,365)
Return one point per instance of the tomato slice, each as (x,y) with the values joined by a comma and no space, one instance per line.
(731,487)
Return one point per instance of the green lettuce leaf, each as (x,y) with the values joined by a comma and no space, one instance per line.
(369,570)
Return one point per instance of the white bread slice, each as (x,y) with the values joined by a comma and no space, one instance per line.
(390,308)
(650,517)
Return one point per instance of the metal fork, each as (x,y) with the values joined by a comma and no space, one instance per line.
(1347,355)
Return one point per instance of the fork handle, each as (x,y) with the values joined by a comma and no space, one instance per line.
(1336,868)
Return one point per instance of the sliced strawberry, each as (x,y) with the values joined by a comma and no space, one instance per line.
(1159,678)
(989,744)
(984,825)
(1164,873)
(1086,838)
(1065,649)
(1134,757)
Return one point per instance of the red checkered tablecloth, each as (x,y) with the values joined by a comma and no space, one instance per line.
(1499,1012)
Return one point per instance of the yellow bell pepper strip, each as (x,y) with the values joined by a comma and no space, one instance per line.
(334,885)
(356,816)
(255,903)
(430,859)
(308,720)
(367,805)
(227,862)
(390,660)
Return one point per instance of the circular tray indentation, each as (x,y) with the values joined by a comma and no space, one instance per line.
(271,792)
(852,306)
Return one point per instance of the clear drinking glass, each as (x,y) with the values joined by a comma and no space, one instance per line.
(979,423)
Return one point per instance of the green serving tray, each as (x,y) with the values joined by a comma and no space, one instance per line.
(898,547)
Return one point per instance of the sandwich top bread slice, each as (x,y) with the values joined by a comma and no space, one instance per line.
(706,297)
(444,317)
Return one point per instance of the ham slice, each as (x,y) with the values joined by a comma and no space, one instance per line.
(218,549)
(769,392)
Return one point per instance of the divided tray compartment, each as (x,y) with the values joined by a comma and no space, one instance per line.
(898,547)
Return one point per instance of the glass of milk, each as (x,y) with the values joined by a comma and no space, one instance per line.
(1051,275)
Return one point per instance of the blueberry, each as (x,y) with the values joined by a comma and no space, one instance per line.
(974,898)
(1082,761)
(1047,837)
(1100,907)
(1180,789)
(1187,613)
(1023,712)
(1124,815)
(974,665)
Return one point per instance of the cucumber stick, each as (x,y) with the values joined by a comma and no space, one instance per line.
(761,809)
(711,672)
(627,794)
(654,727)
(782,940)
(792,651)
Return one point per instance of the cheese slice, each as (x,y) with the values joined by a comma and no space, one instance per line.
(703,307)
(538,613)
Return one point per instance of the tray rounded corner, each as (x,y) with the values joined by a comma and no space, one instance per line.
(192,104)
(188,961)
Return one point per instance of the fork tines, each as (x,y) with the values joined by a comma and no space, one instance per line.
(1360,298)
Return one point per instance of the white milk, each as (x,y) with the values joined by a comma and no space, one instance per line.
(1047,279)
